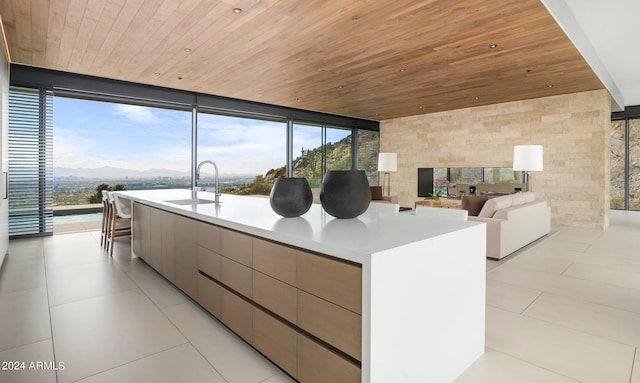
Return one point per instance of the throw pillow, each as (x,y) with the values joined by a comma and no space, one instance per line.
(495,204)
(474,204)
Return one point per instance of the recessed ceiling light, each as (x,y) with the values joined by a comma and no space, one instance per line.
(550,86)
(237,10)
(403,70)
(477,98)
(187,49)
(157,74)
(493,46)
(341,86)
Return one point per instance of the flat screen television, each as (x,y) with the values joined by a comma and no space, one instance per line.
(425,182)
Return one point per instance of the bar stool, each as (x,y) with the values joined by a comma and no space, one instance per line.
(105,219)
(119,220)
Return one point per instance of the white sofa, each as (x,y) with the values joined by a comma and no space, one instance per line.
(442,213)
(513,221)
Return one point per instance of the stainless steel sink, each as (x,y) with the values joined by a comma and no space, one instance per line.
(190,201)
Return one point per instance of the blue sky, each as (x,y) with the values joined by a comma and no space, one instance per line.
(91,134)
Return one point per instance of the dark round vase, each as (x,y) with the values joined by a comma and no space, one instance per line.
(291,197)
(345,193)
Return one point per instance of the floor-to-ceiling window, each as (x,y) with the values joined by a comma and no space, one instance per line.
(634,164)
(625,160)
(368,146)
(114,135)
(99,144)
(250,153)
(318,148)
(618,164)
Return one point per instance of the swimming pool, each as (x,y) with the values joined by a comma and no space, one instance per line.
(77,218)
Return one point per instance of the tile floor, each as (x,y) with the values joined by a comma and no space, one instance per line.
(566,309)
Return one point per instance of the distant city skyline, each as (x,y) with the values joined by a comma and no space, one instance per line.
(92,134)
(122,173)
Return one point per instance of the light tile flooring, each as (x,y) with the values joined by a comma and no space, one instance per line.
(566,309)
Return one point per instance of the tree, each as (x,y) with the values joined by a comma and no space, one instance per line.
(260,186)
(97,196)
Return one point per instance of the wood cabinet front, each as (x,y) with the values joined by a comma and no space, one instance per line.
(319,365)
(237,276)
(276,296)
(155,239)
(237,314)
(236,246)
(331,323)
(141,230)
(185,245)
(210,295)
(334,280)
(275,260)
(168,247)
(276,340)
(301,310)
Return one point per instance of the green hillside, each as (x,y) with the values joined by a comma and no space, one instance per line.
(309,164)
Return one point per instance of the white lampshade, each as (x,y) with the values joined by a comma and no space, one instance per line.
(387,162)
(527,158)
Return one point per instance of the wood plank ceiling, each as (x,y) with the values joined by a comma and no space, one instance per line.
(363,58)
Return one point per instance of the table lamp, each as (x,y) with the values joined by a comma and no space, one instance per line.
(527,158)
(387,162)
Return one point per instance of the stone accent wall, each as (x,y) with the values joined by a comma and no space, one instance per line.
(574,130)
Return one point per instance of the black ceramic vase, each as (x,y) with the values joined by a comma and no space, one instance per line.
(291,197)
(345,193)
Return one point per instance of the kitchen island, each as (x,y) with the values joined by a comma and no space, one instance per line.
(384,297)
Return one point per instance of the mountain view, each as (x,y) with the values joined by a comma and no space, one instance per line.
(76,186)
(107,172)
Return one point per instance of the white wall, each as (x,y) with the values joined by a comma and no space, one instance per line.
(4,155)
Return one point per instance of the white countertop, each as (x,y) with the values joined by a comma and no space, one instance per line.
(354,239)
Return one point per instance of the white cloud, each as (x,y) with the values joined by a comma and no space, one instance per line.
(139,114)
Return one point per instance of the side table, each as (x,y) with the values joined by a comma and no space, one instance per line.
(450,203)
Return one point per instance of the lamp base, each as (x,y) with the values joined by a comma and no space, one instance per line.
(386,176)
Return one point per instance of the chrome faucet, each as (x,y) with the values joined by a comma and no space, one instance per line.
(217,181)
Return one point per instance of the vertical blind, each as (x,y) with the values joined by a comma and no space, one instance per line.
(30,162)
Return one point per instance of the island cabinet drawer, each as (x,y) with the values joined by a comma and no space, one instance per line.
(276,296)
(333,324)
(236,246)
(209,236)
(336,281)
(237,276)
(276,341)
(237,314)
(209,295)
(316,364)
(209,262)
(277,261)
